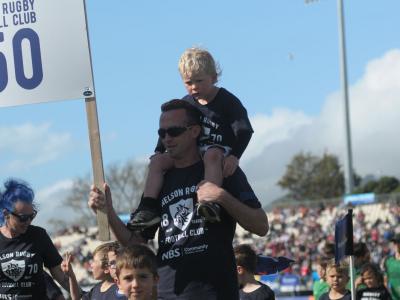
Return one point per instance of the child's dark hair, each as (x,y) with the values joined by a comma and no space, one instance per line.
(246,257)
(329,250)
(323,261)
(136,256)
(374,269)
(192,113)
(360,249)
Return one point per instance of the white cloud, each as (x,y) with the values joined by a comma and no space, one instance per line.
(374,113)
(274,129)
(33,145)
(49,201)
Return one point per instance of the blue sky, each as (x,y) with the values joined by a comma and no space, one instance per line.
(280,58)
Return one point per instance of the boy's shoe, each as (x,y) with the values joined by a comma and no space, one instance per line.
(142,219)
(209,211)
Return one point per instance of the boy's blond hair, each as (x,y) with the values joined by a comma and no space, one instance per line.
(136,257)
(341,268)
(197,61)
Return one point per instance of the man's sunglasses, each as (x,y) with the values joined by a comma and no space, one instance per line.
(24,218)
(173,131)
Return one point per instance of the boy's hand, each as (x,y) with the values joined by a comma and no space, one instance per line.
(230,164)
(66,266)
(358,281)
(208,191)
(99,200)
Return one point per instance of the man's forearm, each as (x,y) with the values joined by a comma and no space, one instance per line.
(253,220)
(121,232)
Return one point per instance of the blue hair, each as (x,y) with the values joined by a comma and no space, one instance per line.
(15,190)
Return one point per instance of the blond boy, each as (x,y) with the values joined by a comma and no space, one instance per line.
(337,276)
(226,134)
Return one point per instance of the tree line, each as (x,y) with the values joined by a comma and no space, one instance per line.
(312,177)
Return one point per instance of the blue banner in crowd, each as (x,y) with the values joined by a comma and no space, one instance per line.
(344,237)
(359,199)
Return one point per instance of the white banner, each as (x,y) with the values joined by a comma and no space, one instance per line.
(44,51)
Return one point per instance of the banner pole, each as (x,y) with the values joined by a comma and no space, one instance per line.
(97,164)
(352,287)
(95,147)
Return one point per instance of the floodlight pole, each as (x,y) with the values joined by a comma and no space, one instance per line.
(349,175)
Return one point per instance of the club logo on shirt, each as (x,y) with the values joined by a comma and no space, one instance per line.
(182,213)
(13,269)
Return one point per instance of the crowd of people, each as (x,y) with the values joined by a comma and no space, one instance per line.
(302,232)
(298,232)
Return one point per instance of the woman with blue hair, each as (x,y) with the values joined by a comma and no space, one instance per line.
(24,248)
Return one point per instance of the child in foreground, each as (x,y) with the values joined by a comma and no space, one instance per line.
(250,288)
(337,276)
(136,270)
(106,288)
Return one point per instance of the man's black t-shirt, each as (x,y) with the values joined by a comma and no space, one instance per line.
(196,257)
(264,292)
(22,259)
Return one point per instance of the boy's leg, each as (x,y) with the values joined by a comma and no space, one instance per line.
(148,212)
(213,160)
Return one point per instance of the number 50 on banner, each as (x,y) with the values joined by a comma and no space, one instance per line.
(45,56)
(37,70)
(44,51)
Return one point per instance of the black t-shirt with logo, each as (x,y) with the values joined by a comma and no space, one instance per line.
(379,293)
(22,259)
(196,257)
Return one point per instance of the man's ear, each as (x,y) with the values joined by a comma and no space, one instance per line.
(196,130)
(215,79)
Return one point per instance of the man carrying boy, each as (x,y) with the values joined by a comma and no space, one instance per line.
(195,257)
(250,288)
(226,132)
